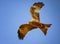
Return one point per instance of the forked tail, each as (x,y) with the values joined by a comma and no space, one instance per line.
(44,28)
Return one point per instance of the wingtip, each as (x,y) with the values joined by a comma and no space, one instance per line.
(20,35)
(39,3)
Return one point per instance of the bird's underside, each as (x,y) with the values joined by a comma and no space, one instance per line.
(34,23)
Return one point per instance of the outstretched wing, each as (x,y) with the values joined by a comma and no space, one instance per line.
(34,10)
(24,29)
(35,13)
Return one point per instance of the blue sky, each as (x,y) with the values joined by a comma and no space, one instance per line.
(13,13)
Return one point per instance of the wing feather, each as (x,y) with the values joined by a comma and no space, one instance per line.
(24,29)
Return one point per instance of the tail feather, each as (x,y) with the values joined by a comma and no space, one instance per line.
(44,28)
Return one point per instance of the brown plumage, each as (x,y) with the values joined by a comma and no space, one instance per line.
(34,10)
(34,23)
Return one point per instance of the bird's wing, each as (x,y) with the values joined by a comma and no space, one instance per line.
(34,10)
(24,29)
(35,13)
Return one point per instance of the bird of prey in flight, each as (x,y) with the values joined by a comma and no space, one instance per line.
(34,23)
